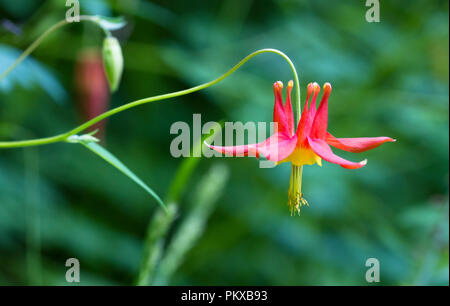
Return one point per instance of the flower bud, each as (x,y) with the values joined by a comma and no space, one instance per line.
(112,61)
(91,87)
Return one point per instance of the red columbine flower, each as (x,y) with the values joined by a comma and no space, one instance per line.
(306,146)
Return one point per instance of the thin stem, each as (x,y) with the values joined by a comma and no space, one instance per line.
(184,92)
(33,142)
(63,137)
(38,41)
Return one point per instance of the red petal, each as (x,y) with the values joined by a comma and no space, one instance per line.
(319,129)
(278,146)
(312,107)
(275,148)
(322,149)
(301,123)
(306,121)
(357,144)
(242,150)
(288,109)
(279,115)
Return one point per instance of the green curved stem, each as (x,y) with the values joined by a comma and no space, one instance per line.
(63,137)
(38,41)
(33,142)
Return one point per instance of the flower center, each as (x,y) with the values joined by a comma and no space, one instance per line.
(304,156)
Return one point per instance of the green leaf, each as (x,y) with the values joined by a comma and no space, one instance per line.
(110,23)
(107,156)
(192,227)
(28,74)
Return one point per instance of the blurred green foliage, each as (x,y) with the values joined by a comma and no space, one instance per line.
(389,78)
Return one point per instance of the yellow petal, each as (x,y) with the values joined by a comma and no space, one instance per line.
(303,156)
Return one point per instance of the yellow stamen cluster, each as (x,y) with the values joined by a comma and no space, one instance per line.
(303,156)
(295,195)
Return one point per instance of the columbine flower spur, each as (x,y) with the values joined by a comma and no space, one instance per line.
(306,146)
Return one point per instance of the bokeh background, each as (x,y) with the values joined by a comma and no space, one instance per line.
(232,226)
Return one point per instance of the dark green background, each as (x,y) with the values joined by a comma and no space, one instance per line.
(389,79)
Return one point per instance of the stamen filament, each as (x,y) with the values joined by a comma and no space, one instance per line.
(295,195)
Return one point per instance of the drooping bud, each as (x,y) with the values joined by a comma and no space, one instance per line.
(112,61)
(92,87)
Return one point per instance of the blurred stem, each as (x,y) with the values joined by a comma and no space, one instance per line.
(157,228)
(63,137)
(161,221)
(193,225)
(38,41)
